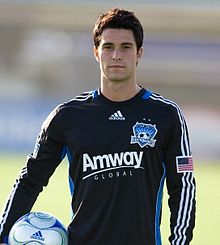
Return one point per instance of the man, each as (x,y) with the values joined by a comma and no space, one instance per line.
(122,142)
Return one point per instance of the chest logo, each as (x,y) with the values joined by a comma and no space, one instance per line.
(144,134)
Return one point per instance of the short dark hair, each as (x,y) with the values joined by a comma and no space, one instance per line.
(118,19)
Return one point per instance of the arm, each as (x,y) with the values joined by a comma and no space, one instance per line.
(180,182)
(35,175)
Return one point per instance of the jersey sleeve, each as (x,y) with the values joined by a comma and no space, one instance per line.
(40,165)
(180,181)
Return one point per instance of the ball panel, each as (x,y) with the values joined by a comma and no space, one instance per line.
(52,237)
(22,232)
(38,228)
(36,219)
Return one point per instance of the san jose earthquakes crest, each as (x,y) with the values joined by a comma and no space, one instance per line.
(144,134)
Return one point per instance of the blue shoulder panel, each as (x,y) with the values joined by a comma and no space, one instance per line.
(147,94)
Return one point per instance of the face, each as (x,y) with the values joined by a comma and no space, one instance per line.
(117,55)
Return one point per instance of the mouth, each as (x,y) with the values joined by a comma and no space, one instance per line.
(117,66)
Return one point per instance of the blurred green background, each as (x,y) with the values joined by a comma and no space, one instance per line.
(45,49)
(55,198)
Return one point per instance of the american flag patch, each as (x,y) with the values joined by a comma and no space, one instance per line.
(184,164)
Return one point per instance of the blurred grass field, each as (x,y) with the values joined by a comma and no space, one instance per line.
(56,197)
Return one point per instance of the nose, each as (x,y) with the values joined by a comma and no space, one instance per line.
(116,55)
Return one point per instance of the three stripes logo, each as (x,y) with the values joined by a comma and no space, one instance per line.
(117,116)
(37,236)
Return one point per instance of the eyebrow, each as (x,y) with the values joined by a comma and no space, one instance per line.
(107,43)
(128,43)
(124,43)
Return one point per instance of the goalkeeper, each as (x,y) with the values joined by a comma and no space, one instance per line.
(123,142)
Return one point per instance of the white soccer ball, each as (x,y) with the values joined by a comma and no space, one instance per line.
(38,228)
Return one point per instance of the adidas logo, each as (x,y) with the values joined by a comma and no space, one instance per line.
(117,116)
(37,236)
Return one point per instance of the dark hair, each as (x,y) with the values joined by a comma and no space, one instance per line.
(118,19)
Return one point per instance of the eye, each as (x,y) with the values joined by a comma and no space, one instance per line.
(107,47)
(126,46)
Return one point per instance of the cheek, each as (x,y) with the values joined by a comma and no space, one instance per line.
(103,59)
(102,63)
(132,62)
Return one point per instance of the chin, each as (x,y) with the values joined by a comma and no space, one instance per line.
(117,78)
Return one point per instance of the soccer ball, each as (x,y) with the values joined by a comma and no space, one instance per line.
(38,228)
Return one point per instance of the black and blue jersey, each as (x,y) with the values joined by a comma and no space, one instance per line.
(120,155)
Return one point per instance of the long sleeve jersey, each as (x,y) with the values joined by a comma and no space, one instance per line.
(120,155)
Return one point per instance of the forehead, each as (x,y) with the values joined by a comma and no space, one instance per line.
(117,36)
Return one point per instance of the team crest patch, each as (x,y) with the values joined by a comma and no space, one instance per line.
(144,134)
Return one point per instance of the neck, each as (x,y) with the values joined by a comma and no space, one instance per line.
(117,91)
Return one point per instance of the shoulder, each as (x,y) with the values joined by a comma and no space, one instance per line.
(83,98)
(163,106)
(59,112)
(165,103)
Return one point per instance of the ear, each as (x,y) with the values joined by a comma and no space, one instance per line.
(96,53)
(140,54)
